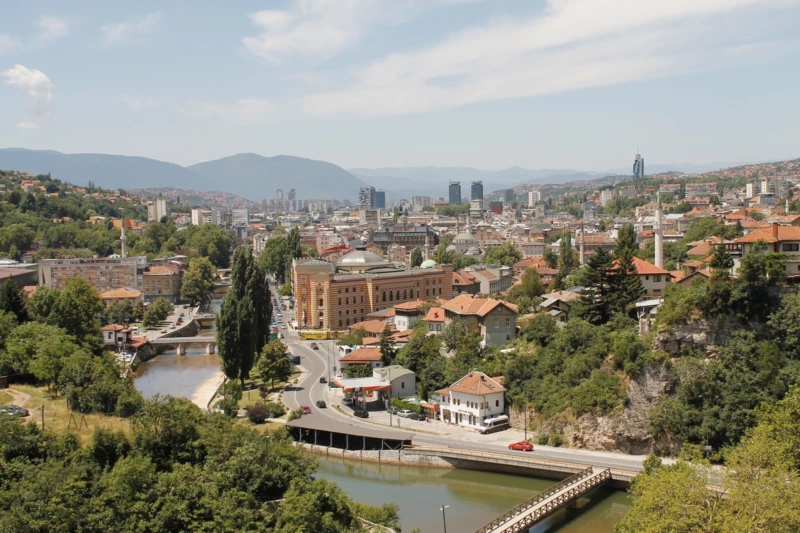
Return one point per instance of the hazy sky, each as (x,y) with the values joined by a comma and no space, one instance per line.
(494,83)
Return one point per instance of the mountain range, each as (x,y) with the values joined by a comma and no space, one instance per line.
(253,176)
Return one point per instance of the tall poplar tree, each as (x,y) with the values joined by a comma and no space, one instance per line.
(12,301)
(629,286)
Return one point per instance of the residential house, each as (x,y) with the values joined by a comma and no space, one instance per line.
(161,281)
(435,320)
(370,355)
(495,320)
(407,314)
(557,304)
(654,279)
(780,239)
(472,399)
(465,283)
(403,380)
(116,336)
(492,279)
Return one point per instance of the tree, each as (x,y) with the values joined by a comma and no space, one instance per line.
(354,337)
(721,262)
(505,254)
(198,281)
(273,363)
(12,301)
(524,293)
(416,258)
(551,258)
(600,285)
(388,352)
(784,325)
(628,286)
(453,332)
(566,259)
(77,311)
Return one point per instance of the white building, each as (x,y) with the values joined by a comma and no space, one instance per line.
(240,217)
(472,399)
(534,197)
(606,196)
(403,381)
(207,216)
(156,210)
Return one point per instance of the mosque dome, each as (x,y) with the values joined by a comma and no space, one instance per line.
(428,263)
(361,258)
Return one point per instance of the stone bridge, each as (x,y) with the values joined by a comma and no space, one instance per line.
(180,343)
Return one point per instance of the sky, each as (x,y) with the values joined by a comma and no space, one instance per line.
(579,84)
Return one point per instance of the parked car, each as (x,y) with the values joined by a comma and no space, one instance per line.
(361,414)
(163,331)
(305,409)
(321,404)
(323,379)
(13,410)
(417,416)
(405,413)
(314,346)
(172,326)
(522,446)
(347,401)
(392,410)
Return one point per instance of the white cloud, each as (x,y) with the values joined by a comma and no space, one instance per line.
(572,44)
(39,89)
(52,28)
(7,44)
(241,111)
(138,104)
(115,33)
(323,28)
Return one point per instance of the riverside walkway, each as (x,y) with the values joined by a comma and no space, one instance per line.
(523,516)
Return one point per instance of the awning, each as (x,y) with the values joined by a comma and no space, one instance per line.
(365,384)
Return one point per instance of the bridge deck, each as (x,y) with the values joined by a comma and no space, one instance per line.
(184,340)
(523,516)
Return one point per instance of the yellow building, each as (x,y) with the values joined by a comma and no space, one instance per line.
(333,296)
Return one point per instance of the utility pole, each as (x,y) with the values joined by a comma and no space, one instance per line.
(444,519)
(526,420)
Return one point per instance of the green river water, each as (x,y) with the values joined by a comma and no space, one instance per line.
(475,498)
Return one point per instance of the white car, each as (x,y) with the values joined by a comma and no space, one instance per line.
(405,413)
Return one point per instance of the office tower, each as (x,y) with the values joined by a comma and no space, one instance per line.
(638,167)
(156,209)
(477,190)
(380,199)
(534,197)
(240,217)
(509,196)
(366,198)
(455,192)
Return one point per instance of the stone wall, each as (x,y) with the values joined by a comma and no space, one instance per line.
(398,457)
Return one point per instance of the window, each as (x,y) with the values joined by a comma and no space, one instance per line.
(340,301)
(320,302)
(647,278)
(657,279)
(496,324)
(362,298)
(791,247)
(508,322)
(402,384)
(497,403)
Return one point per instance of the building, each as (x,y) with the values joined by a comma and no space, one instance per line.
(472,399)
(435,320)
(465,283)
(156,209)
(161,281)
(476,193)
(606,196)
(454,193)
(780,239)
(409,235)
(207,216)
(115,336)
(403,380)
(418,202)
(120,295)
(558,304)
(508,196)
(369,217)
(368,355)
(495,320)
(407,314)
(777,187)
(492,279)
(654,279)
(103,274)
(380,199)
(366,198)
(333,296)
(534,197)
(638,167)
(240,217)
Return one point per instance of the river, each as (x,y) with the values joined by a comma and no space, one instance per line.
(194,376)
(475,498)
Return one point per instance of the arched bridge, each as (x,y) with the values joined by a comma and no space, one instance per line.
(180,343)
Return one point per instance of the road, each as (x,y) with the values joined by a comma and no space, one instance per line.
(309,390)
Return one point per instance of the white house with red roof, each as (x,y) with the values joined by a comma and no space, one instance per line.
(654,279)
(472,399)
(496,320)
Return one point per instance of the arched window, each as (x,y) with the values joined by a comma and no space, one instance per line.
(398,295)
(391,296)
(384,296)
(405,295)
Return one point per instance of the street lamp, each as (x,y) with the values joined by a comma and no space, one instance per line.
(444,519)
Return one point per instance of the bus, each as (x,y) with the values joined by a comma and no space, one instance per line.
(498,423)
(319,334)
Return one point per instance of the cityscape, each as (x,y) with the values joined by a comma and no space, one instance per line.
(491,317)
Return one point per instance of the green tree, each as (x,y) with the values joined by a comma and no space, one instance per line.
(721,262)
(551,258)
(12,300)
(505,254)
(198,282)
(388,352)
(416,258)
(77,312)
(600,286)
(273,363)
(784,325)
(525,293)
(566,259)
(453,332)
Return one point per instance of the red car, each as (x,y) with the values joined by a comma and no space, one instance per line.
(523,446)
(314,346)
(306,410)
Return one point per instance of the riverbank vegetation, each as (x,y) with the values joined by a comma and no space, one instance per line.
(177,470)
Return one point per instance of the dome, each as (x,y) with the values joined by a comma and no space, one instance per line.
(464,237)
(428,263)
(473,250)
(451,248)
(361,258)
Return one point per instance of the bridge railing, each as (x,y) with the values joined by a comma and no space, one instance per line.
(536,500)
(502,458)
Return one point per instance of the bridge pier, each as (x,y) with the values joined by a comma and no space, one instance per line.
(210,348)
(180,349)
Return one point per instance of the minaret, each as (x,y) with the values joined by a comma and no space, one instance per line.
(469,223)
(427,242)
(123,239)
(583,246)
(659,236)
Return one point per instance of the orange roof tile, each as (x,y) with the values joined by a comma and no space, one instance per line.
(416,304)
(477,384)
(374,327)
(362,355)
(771,234)
(435,314)
(466,304)
(120,293)
(646,268)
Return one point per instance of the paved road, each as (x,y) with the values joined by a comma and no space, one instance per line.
(309,390)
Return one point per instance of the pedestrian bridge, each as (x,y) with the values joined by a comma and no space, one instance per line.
(524,515)
(180,343)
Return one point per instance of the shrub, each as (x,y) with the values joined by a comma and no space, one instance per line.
(555,440)
(275,409)
(294,414)
(403,405)
(258,413)
(543,440)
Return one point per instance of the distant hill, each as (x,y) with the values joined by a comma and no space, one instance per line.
(248,175)
(254,176)
(195,198)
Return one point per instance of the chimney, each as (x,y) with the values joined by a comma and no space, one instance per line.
(775,229)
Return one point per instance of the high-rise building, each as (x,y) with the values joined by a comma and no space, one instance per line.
(509,196)
(638,167)
(366,198)
(455,192)
(477,190)
(606,196)
(292,195)
(102,273)
(380,199)
(156,209)
(240,217)
(534,197)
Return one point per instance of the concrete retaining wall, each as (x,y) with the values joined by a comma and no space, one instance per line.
(397,457)
(148,351)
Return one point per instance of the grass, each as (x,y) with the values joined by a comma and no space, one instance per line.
(57,416)
(252,384)
(6,398)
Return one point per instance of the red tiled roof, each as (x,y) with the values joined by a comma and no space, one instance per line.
(771,234)
(466,304)
(362,355)
(374,327)
(477,384)
(646,268)
(435,314)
